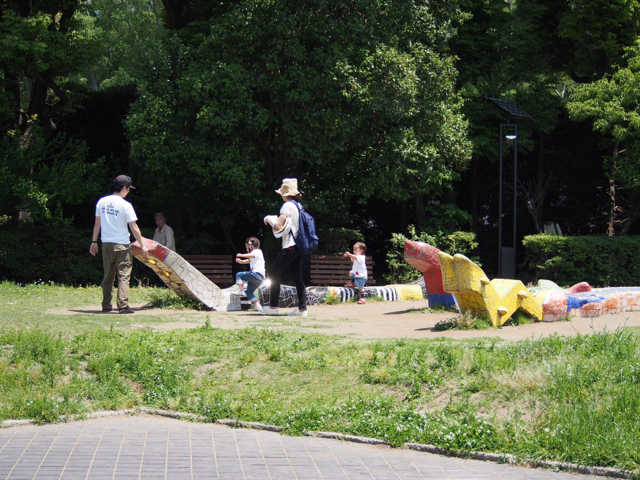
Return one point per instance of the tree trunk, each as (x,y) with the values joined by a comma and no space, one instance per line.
(92,76)
(175,12)
(612,192)
(37,103)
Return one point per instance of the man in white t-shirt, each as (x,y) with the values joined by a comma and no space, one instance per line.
(287,225)
(113,215)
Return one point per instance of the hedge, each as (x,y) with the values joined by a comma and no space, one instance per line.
(57,254)
(601,261)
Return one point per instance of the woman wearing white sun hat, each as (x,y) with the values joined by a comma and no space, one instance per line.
(286,225)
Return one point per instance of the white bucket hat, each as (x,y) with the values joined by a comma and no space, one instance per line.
(289,187)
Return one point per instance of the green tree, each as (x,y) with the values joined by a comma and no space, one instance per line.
(506,53)
(38,178)
(44,47)
(129,34)
(42,44)
(612,105)
(354,98)
(593,34)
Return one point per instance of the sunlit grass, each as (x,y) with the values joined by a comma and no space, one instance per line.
(572,399)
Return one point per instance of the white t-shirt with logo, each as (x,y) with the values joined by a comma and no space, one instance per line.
(256,263)
(115,214)
(290,210)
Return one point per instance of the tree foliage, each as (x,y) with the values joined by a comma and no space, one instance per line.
(378,108)
(44,47)
(42,43)
(355,98)
(41,177)
(130,36)
(612,105)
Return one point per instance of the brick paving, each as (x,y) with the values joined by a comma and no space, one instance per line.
(147,447)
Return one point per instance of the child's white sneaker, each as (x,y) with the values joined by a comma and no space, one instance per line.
(297,313)
(270,310)
(238,293)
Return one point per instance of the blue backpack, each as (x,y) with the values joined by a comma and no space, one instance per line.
(306,240)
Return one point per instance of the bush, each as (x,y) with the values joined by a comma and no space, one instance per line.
(59,254)
(601,261)
(455,242)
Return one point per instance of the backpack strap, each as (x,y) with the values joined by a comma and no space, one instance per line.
(297,204)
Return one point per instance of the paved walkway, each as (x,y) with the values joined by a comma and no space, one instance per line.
(151,447)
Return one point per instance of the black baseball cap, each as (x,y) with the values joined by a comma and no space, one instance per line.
(122,181)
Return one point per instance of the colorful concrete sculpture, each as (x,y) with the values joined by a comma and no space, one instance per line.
(583,301)
(496,299)
(185,280)
(425,258)
(181,276)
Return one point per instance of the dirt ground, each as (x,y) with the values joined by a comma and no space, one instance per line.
(403,319)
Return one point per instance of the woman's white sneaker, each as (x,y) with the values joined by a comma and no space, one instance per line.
(297,313)
(270,310)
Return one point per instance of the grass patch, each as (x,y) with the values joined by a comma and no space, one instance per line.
(165,298)
(440,308)
(519,318)
(573,399)
(332,299)
(466,321)
(374,298)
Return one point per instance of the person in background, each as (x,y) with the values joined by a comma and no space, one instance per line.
(551,228)
(113,218)
(164,233)
(254,276)
(358,270)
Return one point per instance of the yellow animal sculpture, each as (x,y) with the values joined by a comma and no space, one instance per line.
(497,299)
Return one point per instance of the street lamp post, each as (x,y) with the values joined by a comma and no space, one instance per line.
(507,255)
(509,137)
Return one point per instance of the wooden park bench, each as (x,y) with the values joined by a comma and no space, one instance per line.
(334,270)
(217,268)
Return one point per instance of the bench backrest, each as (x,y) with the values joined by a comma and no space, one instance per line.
(334,270)
(217,268)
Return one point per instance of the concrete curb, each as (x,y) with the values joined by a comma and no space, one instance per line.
(513,459)
(254,425)
(484,456)
(347,438)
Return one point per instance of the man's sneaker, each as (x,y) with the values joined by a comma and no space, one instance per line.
(297,313)
(238,293)
(127,310)
(350,285)
(362,301)
(107,309)
(270,310)
(256,307)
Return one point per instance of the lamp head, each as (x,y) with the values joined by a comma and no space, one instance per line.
(510,139)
